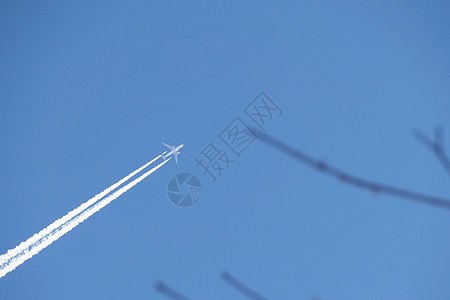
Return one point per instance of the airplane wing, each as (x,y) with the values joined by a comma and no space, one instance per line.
(168,146)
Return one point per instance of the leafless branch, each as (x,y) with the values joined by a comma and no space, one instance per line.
(435,145)
(168,291)
(241,287)
(350,179)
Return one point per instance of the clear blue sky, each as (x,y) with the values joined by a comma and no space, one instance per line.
(89,91)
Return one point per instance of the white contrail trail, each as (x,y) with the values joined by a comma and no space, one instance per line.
(66,227)
(37,236)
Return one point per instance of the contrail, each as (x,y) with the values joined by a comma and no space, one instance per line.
(32,240)
(57,231)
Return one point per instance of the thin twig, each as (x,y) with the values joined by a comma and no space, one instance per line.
(350,179)
(436,146)
(241,287)
(168,291)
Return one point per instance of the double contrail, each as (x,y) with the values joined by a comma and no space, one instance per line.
(27,249)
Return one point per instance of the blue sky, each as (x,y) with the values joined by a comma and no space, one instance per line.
(89,90)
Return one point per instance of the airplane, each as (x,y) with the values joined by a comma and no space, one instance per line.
(173,150)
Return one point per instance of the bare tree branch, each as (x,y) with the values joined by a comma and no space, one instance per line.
(168,291)
(350,179)
(241,287)
(436,146)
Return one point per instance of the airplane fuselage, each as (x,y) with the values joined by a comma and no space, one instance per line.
(173,151)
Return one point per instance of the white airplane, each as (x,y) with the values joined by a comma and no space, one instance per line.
(173,150)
